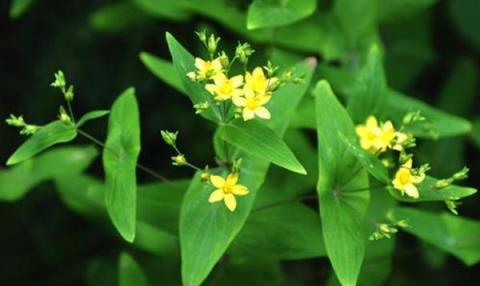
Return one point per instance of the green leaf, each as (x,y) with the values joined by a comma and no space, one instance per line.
(164,70)
(185,63)
(273,13)
(117,17)
(356,18)
(369,161)
(439,122)
(465,19)
(368,96)
(342,207)
(53,133)
(284,232)
(19,7)
(260,141)
(130,273)
(476,132)
(91,116)
(455,235)
(396,10)
(18,180)
(206,230)
(170,10)
(119,160)
(428,192)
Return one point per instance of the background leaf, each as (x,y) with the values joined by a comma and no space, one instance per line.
(272,13)
(164,70)
(119,160)
(130,273)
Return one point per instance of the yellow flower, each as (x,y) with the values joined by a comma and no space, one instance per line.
(405,180)
(226,190)
(252,104)
(205,69)
(375,138)
(224,88)
(258,82)
(400,138)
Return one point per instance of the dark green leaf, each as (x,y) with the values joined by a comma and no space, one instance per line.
(368,96)
(163,9)
(119,160)
(455,235)
(129,272)
(117,17)
(18,7)
(49,135)
(60,162)
(273,13)
(342,207)
(260,141)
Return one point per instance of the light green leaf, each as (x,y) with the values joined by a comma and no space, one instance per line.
(289,231)
(119,160)
(184,63)
(369,161)
(428,192)
(91,116)
(395,10)
(53,133)
(455,235)
(59,162)
(164,70)
(206,230)
(273,13)
(368,95)
(129,272)
(18,7)
(260,141)
(341,187)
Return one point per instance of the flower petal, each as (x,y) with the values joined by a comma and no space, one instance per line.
(199,63)
(262,112)
(216,196)
(217,181)
(230,202)
(239,101)
(232,179)
(211,88)
(258,73)
(372,122)
(411,191)
(237,81)
(248,114)
(240,190)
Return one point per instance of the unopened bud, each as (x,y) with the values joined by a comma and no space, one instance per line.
(462,174)
(243,52)
(170,138)
(441,184)
(212,44)
(205,176)
(59,80)
(179,160)
(202,36)
(224,60)
(69,94)
(63,116)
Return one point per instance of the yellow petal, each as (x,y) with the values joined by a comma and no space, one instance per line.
(262,99)
(248,114)
(199,63)
(237,81)
(361,130)
(232,179)
(411,191)
(239,101)
(372,122)
(408,164)
(216,196)
(230,202)
(258,73)
(239,190)
(217,65)
(262,112)
(211,88)
(191,75)
(248,92)
(217,181)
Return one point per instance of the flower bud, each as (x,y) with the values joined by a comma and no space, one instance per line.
(179,160)
(202,36)
(462,174)
(441,184)
(212,44)
(63,116)
(205,176)
(243,52)
(59,80)
(170,138)
(69,94)
(224,60)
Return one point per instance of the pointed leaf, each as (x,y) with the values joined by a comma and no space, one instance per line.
(342,207)
(260,141)
(119,160)
(53,133)
(428,192)
(91,116)
(164,70)
(455,235)
(185,63)
(368,95)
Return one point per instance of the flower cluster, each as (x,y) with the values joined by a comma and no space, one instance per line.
(249,92)
(378,138)
(226,189)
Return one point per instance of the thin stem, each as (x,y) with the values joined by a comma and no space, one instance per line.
(70,110)
(139,166)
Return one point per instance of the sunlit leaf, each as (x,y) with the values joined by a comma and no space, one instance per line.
(164,70)
(92,115)
(272,13)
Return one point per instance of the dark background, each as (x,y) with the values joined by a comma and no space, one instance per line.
(44,243)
